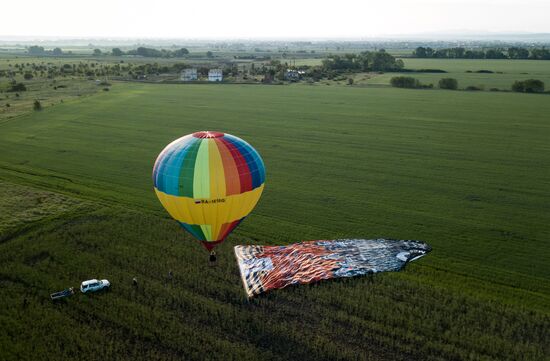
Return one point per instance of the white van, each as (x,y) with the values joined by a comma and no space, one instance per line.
(94,285)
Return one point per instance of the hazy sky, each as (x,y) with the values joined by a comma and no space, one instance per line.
(268,19)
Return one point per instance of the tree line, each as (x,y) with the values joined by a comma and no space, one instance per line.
(493,53)
(364,61)
(152,53)
(140,51)
(520,86)
(39,50)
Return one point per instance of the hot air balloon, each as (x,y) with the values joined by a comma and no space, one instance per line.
(209,182)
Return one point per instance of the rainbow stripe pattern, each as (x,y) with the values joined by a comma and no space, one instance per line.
(209,182)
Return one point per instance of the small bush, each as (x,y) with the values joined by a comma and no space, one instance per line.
(404,82)
(422,71)
(494,89)
(528,86)
(485,71)
(8,105)
(105,89)
(430,71)
(473,88)
(28,76)
(448,83)
(37,105)
(518,86)
(17,87)
(350,81)
(534,86)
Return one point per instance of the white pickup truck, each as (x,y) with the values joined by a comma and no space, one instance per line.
(94,285)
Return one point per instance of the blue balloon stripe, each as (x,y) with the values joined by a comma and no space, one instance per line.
(169,170)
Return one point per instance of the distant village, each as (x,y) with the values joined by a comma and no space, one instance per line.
(191,74)
(216,75)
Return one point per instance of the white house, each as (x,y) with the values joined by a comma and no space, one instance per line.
(215,75)
(294,75)
(189,74)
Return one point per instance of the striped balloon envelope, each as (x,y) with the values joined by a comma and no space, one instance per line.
(209,182)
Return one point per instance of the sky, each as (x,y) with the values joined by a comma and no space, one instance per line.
(249,19)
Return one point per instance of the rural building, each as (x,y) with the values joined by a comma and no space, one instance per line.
(215,75)
(189,74)
(268,78)
(293,75)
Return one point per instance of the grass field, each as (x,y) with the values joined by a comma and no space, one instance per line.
(14,104)
(465,172)
(511,70)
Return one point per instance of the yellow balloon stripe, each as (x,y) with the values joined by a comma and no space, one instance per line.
(214,212)
(207,231)
(217,174)
(201,177)
(217,185)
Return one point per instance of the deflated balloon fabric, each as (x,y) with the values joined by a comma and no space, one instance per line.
(265,268)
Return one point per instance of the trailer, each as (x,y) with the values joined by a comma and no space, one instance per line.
(62,294)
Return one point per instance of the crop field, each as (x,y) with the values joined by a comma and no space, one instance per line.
(48,92)
(466,172)
(504,72)
(7,61)
(21,206)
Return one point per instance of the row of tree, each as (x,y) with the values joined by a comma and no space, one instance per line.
(523,86)
(152,53)
(88,69)
(493,53)
(528,86)
(141,51)
(39,50)
(413,83)
(51,70)
(364,61)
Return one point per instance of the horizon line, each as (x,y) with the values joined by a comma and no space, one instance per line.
(435,36)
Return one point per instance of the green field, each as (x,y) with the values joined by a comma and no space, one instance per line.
(20,103)
(466,172)
(511,70)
